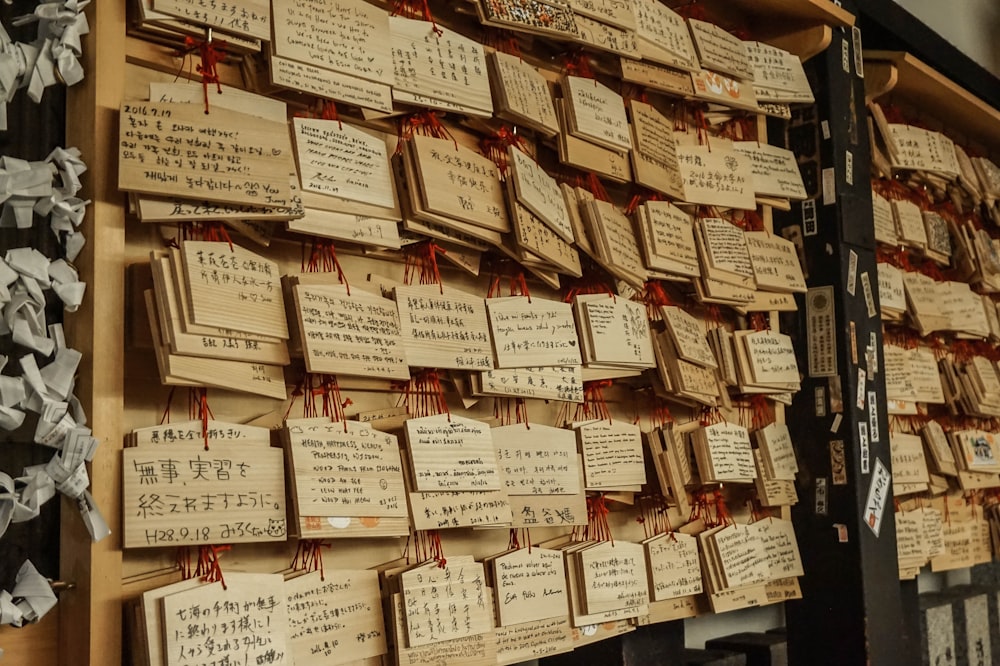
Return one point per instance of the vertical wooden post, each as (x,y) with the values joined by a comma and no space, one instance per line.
(851,611)
(90,614)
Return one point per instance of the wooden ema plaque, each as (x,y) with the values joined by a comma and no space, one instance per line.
(178,150)
(530,332)
(529,585)
(613,577)
(233,287)
(354,333)
(612,455)
(537,460)
(249,18)
(452,453)
(345,36)
(243,622)
(444,330)
(336,620)
(345,469)
(182,495)
(673,566)
(445,603)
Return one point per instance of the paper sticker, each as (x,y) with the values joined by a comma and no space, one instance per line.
(829,187)
(835,426)
(838,463)
(865,450)
(852,272)
(849,168)
(845,55)
(819,397)
(821,509)
(836,395)
(871,354)
(862,377)
(821,330)
(841,532)
(825,127)
(878,493)
(866,287)
(859,60)
(873,415)
(854,343)
(810,227)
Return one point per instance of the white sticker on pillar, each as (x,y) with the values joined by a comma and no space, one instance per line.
(873,415)
(866,287)
(878,495)
(862,380)
(829,186)
(821,506)
(819,398)
(810,226)
(864,448)
(821,330)
(852,272)
(859,60)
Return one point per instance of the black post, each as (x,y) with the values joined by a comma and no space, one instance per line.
(851,611)
(661,644)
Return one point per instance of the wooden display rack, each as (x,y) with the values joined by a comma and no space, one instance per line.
(119,388)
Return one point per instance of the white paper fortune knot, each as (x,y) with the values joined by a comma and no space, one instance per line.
(48,188)
(29,601)
(52,57)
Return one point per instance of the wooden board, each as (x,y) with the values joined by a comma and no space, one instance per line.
(443,328)
(530,585)
(344,469)
(232,287)
(612,454)
(530,332)
(339,160)
(451,452)
(227,156)
(250,18)
(537,459)
(346,36)
(184,495)
(349,333)
(252,609)
(335,617)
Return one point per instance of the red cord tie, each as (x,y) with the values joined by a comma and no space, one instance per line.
(577,63)
(421,264)
(416,9)
(198,409)
(211,52)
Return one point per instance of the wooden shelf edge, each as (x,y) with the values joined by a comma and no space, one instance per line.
(811,11)
(880,79)
(805,43)
(932,93)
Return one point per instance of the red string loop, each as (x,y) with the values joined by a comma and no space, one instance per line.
(211,53)
(416,9)
(421,264)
